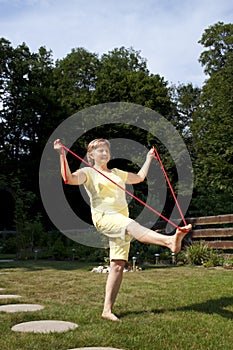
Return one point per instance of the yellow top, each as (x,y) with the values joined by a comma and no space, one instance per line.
(109,209)
(105,196)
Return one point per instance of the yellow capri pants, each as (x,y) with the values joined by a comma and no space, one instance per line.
(113,225)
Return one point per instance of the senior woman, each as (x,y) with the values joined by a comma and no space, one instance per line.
(110,213)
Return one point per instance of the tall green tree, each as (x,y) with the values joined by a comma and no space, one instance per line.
(212,126)
(23,95)
(29,109)
(124,77)
(29,112)
(186,98)
(75,79)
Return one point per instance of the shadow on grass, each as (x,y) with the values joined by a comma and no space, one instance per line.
(213,306)
(67,265)
(37,265)
(210,307)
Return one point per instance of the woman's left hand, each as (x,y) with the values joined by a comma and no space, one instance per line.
(151,153)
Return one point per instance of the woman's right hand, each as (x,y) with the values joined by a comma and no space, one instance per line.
(57,146)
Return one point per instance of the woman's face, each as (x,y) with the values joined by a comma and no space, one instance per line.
(101,155)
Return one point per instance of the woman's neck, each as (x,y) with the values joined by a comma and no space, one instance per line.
(102,168)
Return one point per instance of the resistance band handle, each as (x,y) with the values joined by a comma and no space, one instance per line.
(64,164)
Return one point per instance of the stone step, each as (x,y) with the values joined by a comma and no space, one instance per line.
(44,326)
(20,308)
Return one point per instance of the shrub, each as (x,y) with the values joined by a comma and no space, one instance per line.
(228,262)
(197,253)
(58,250)
(214,258)
(9,246)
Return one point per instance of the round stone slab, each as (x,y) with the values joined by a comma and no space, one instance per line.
(44,326)
(20,308)
(9,296)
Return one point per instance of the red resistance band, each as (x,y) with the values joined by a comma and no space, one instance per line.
(169,184)
(122,188)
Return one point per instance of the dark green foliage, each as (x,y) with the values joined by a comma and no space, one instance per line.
(198,253)
(212,124)
(36,94)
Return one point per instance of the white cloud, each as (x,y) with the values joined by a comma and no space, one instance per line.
(166,31)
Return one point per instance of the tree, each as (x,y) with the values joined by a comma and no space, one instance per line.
(218,39)
(123,77)
(75,78)
(186,98)
(212,126)
(29,109)
(13,87)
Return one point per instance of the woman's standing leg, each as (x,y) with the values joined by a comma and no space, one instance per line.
(112,288)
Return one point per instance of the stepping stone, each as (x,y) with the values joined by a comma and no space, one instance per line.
(2,288)
(9,296)
(20,308)
(44,326)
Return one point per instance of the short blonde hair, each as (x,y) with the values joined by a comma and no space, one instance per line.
(95,144)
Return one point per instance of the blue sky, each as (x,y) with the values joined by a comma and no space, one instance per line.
(165,31)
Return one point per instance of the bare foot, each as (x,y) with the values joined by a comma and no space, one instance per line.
(176,239)
(110,316)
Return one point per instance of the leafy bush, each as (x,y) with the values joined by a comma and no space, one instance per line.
(58,249)
(228,262)
(9,246)
(198,253)
(214,259)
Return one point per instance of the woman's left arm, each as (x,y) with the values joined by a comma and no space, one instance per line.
(141,175)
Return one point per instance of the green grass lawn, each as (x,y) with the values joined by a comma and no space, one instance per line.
(160,308)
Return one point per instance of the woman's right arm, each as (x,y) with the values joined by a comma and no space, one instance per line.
(76,178)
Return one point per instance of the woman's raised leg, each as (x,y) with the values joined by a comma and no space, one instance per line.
(148,236)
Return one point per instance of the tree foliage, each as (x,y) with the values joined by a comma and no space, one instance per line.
(28,105)
(75,79)
(212,125)
(36,94)
(218,40)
